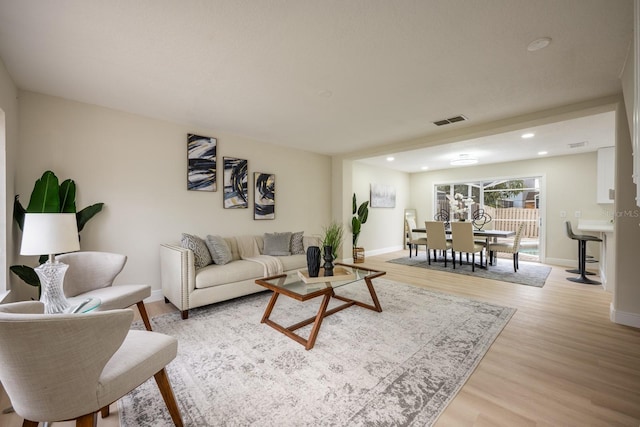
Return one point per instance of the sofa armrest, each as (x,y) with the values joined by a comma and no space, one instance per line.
(177,274)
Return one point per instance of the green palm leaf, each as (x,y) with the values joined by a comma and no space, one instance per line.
(86,214)
(45,195)
(68,196)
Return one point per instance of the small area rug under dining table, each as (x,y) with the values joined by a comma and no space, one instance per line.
(399,367)
(529,273)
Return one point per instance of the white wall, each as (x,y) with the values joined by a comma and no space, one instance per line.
(137,166)
(8,146)
(569,185)
(385,226)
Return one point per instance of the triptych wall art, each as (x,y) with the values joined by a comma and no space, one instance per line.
(201,169)
(235,183)
(264,196)
(201,176)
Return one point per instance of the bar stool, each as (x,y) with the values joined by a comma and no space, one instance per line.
(582,255)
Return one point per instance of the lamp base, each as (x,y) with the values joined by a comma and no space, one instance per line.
(51,276)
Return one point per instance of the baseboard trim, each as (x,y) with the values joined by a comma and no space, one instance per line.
(375,252)
(156,295)
(561,262)
(622,318)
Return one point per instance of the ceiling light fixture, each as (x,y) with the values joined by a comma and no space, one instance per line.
(424,168)
(527,135)
(463,160)
(542,153)
(538,44)
(390,159)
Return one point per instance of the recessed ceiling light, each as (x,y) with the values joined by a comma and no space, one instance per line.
(390,159)
(527,135)
(538,44)
(542,153)
(463,160)
(424,168)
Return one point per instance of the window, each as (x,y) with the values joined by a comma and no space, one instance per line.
(508,202)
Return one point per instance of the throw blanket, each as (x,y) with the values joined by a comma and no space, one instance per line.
(248,250)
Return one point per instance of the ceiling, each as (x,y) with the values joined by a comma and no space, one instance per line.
(573,136)
(331,76)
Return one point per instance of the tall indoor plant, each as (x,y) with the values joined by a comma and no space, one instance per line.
(360,215)
(49,197)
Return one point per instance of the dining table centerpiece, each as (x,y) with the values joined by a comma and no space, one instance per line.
(459,205)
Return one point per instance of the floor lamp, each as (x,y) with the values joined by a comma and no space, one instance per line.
(50,233)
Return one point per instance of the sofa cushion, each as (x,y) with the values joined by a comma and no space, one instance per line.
(277,244)
(297,246)
(219,249)
(201,255)
(236,271)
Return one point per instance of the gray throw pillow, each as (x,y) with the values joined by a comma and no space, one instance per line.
(297,246)
(277,244)
(219,249)
(201,255)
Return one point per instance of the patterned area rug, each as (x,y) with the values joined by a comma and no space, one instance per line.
(530,274)
(400,367)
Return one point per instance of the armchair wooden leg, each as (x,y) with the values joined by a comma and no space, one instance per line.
(169,399)
(89,420)
(27,423)
(104,412)
(143,314)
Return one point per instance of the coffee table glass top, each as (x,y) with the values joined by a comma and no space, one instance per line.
(293,281)
(82,305)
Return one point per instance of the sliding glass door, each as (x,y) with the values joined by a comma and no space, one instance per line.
(509,202)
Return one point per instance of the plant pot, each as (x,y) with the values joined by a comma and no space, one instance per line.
(358,255)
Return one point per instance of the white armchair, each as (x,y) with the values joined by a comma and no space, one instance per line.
(91,274)
(57,367)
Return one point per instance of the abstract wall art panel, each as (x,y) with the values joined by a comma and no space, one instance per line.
(201,167)
(235,183)
(383,196)
(264,195)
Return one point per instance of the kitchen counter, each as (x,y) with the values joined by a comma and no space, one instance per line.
(596,225)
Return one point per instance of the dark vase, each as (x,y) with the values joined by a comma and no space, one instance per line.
(328,261)
(313,261)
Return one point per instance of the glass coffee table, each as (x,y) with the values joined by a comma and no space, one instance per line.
(299,286)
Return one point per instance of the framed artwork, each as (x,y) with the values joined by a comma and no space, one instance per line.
(383,196)
(201,166)
(264,195)
(235,183)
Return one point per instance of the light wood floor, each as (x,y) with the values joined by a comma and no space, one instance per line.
(559,362)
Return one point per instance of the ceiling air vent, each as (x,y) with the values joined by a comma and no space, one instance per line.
(578,144)
(450,120)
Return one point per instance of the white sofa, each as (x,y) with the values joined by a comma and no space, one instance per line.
(186,288)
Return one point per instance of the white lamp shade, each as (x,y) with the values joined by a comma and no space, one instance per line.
(49,233)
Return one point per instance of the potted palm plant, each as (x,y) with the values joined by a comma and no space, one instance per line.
(360,215)
(49,197)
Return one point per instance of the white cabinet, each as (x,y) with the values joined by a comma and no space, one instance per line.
(606,174)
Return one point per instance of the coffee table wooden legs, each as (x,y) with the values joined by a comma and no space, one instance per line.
(322,313)
(317,321)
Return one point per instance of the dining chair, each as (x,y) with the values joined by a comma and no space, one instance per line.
(510,248)
(414,240)
(437,238)
(91,274)
(463,241)
(58,367)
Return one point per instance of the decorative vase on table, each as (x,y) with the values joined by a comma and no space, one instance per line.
(328,261)
(313,261)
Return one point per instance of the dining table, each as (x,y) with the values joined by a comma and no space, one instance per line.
(489,235)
